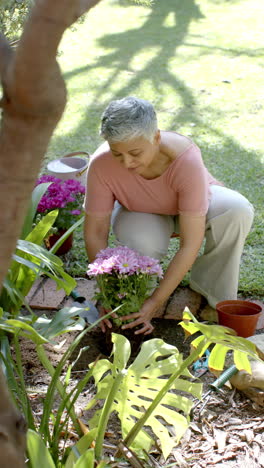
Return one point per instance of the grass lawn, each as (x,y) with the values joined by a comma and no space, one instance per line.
(201,64)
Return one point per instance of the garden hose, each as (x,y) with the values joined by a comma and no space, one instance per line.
(223,378)
(216,386)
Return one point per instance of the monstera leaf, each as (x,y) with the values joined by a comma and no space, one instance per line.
(133,389)
(224,340)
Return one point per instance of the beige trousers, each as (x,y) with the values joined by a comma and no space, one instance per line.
(215,273)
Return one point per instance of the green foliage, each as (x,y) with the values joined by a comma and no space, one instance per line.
(12,16)
(38,451)
(154,391)
(81,455)
(144,394)
(36,196)
(29,261)
(40,331)
(135,388)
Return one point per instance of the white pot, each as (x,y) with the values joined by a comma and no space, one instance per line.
(70,167)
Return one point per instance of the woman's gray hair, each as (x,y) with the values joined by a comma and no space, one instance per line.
(128,118)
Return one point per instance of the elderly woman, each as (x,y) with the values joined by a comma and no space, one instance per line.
(151,183)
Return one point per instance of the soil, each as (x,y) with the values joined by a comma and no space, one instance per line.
(227,432)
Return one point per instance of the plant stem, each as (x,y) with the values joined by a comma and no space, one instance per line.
(141,422)
(23,394)
(49,367)
(106,413)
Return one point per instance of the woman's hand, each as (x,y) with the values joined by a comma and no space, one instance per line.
(143,317)
(105,322)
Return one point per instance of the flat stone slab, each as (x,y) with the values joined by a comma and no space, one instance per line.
(45,295)
(183,297)
(86,290)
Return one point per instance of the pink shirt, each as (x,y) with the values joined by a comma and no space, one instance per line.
(184,187)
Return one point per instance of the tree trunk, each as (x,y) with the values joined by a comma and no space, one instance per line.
(34,97)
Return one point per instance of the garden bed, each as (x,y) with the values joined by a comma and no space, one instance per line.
(227,433)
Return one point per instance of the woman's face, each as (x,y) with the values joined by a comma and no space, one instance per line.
(136,154)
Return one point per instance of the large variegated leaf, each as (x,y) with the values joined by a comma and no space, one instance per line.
(140,384)
(224,339)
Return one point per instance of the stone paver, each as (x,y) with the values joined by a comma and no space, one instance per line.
(183,297)
(44,295)
(86,289)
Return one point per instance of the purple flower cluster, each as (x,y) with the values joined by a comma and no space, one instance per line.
(123,260)
(65,195)
(59,193)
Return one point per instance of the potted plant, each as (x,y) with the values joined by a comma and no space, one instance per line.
(125,280)
(67,197)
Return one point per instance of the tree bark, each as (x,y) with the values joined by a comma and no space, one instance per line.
(34,97)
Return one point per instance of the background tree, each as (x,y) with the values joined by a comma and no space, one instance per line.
(12,16)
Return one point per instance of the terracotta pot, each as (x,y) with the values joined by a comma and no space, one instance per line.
(65,247)
(242,316)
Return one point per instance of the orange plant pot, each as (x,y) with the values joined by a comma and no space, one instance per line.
(241,316)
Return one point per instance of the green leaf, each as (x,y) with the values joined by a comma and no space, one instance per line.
(103,464)
(30,261)
(80,448)
(24,329)
(39,252)
(86,460)
(241,362)
(36,196)
(120,359)
(60,241)
(38,453)
(63,321)
(40,231)
(217,357)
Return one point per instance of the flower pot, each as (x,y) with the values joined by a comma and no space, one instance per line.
(65,247)
(241,316)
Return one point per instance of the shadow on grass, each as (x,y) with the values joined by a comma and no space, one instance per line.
(165,30)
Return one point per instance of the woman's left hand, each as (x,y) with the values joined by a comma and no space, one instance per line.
(143,317)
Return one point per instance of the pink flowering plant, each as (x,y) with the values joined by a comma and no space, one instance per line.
(124,277)
(65,195)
